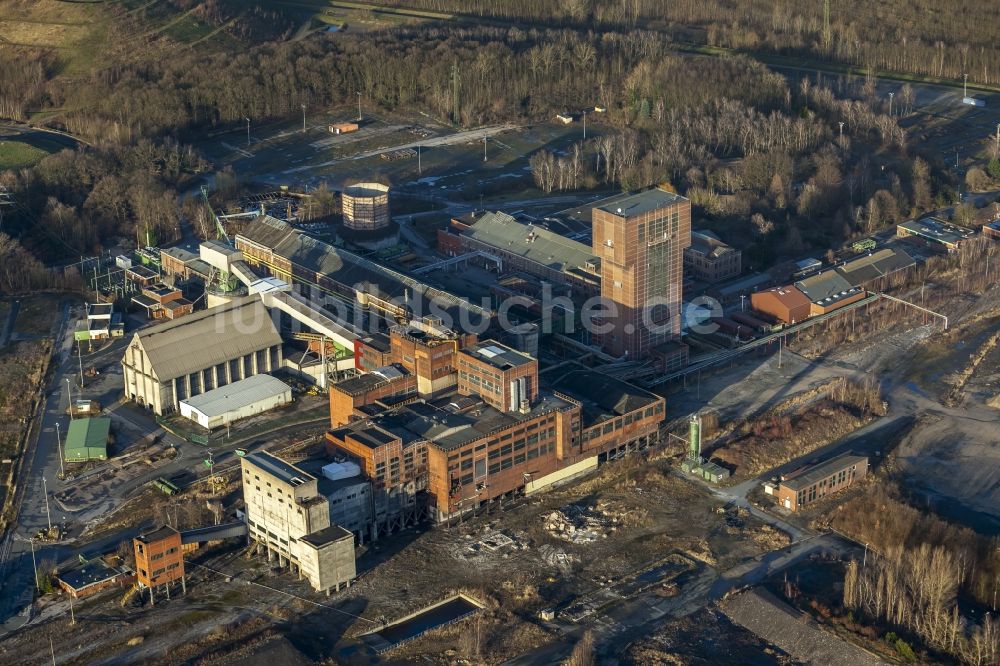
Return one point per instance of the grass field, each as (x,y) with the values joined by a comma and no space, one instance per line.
(17,154)
(37,315)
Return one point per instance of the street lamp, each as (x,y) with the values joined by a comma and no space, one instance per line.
(359,106)
(247,118)
(45,491)
(890,102)
(303,118)
(585,124)
(62,470)
(34,565)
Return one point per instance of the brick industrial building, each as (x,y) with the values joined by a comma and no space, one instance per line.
(828,291)
(159,560)
(786,305)
(711,260)
(526,248)
(640,240)
(366,287)
(502,432)
(802,488)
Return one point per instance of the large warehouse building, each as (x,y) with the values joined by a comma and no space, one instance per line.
(322,269)
(179,359)
(524,247)
(239,400)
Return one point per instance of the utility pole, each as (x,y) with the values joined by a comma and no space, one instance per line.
(62,469)
(827,37)
(303,118)
(996,148)
(484,147)
(585,124)
(247,118)
(45,491)
(359,106)
(34,565)
(965,85)
(890,102)
(420,171)
(455,101)
(841,123)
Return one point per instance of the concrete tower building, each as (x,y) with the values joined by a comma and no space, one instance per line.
(640,239)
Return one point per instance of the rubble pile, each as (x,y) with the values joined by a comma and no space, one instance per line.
(586,524)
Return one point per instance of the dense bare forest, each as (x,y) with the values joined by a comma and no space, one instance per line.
(918,568)
(919,36)
(763,157)
(74,202)
(503,74)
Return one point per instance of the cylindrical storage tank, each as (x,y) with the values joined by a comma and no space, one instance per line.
(366,207)
(694,436)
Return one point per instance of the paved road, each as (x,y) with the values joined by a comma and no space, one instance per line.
(8,324)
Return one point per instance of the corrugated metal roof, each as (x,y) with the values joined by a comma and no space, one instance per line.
(179,253)
(823,470)
(207,338)
(865,269)
(533,243)
(237,395)
(87,439)
(828,284)
(353,271)
(788,296)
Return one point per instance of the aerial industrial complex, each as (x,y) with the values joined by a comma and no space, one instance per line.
(421,390)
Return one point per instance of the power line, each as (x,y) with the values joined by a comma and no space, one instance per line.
(288,594)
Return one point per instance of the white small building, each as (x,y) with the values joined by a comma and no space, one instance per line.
(268,285)
(247,397)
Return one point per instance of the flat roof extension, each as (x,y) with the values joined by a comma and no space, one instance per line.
(326,536)
(937,230)
(498,355)
(534,243)
(278,468)
(601,395)
(239,394)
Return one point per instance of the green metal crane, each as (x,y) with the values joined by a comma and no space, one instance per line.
(218,223)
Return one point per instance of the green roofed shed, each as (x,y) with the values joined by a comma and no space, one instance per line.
(87,439)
